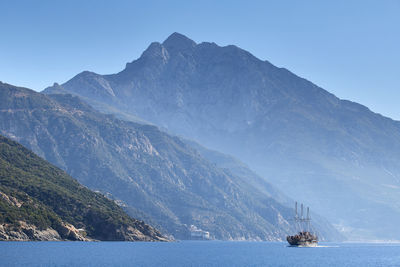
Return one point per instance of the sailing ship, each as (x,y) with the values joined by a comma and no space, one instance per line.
(305,237)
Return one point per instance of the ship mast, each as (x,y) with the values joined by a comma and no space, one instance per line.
(302,221)
(301,216)
(298,217)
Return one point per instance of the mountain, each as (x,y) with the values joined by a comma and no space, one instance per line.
(38,201)
(335,155)
(155,176)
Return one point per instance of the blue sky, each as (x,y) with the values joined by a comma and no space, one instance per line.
(350,48)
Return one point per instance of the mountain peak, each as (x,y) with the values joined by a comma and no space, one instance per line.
(178,42)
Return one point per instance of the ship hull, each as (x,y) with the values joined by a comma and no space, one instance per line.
(303,239)
(304,244)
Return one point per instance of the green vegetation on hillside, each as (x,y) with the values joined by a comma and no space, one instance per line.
(47,196)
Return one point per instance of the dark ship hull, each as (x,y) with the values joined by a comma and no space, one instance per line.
(302,239)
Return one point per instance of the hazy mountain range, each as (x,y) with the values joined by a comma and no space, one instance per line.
(335,155)
(155,176)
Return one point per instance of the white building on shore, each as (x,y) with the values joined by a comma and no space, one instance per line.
(197,233)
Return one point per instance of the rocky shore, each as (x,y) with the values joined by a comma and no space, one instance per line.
(29,232)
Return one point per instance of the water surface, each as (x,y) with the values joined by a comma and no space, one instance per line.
(195,253)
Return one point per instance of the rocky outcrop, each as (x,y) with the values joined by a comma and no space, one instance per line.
(10,200)
(69,232)
(29,232)
(13,233)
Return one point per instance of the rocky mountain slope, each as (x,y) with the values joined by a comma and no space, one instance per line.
(335,155)
(154,175)
(41,202)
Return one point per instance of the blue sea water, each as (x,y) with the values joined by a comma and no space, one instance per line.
(195,253)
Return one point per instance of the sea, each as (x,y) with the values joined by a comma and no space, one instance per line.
(196,253)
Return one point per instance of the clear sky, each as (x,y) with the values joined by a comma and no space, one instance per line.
(350,48)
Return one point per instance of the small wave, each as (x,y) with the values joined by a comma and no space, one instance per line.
(313,247)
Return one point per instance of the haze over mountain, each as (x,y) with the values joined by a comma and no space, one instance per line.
(335,155)
(41,202)
(156,176)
